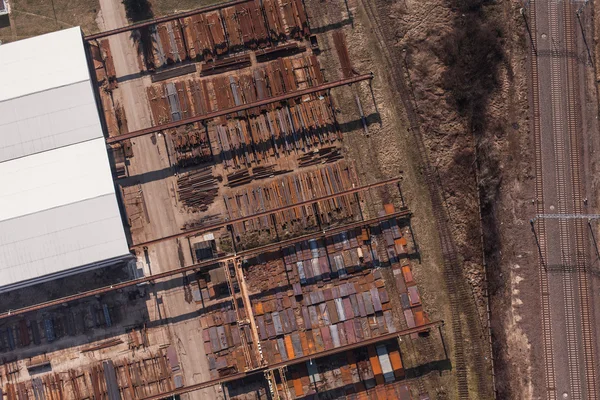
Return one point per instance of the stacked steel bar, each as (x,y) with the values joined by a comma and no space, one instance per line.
(229,111)
(353,375)
(235,377)
(394,251)
(126,379)
(295,18)
(246,176)
(322,156)
(55,325)
(204,35)
(216,30)
(246,141)
(290,190)
(190,145)
(198,189)
(252,25)
(305,127)
(203,221)
(239,27)
(224,339)
(339,41)
(222,92)
(168,43)
(225,64)
(271,53)
(344,311)
(318,303)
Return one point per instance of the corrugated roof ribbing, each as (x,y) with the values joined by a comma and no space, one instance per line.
(58,208)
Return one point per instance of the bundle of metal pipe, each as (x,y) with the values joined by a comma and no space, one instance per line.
(198,188)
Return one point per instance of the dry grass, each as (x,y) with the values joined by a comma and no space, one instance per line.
(164,7)
(36,17)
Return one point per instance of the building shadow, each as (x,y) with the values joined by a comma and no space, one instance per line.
(331,27)
(146,177)
(4,21)
(357,124)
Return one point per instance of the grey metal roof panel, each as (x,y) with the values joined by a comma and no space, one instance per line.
(54,178)
(48,120)
(59,239)
(58,213)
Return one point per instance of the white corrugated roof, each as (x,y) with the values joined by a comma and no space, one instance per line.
(59,239)
(41,63)
(54,179)
(47,120)
(58,207)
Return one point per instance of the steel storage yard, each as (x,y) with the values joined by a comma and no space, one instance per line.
(274,258)
(58,208)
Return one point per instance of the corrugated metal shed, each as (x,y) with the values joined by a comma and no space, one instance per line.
(58,208)
(47,120)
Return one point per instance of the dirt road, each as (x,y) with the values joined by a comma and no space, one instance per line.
(393,145)
(173,315)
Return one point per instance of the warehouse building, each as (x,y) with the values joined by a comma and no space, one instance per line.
(58,208)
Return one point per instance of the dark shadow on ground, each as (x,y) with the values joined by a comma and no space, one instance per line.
(147,177)
(357,123)
(4,21)
(331,27)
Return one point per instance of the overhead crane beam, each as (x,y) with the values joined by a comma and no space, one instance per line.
(243,107)
(204,264)
(166,18)
(239,274)
(295,361)
(219,225)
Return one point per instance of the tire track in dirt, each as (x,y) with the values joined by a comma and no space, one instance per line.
(462,305)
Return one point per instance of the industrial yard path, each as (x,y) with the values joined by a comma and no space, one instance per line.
(150,156)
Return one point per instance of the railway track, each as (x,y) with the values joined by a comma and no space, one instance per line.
(572,234)
(565,234)
(462,302)
(581,239)
(540,223)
